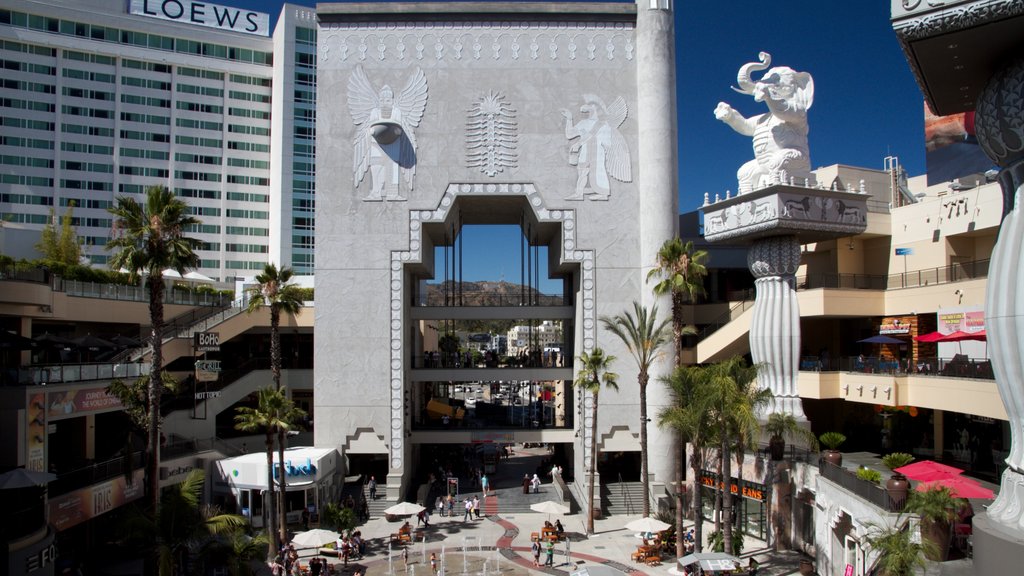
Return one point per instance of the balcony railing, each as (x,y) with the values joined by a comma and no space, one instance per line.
(94,473)
(62,373)
(459,360)
(489,298)
(869,491)
(958,366)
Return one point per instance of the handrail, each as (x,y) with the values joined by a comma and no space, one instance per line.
(869,491)
(626,498)
(97,472)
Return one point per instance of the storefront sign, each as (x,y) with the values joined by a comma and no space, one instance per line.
(87,503)
(206,342)
(894,326)
(204,14)
(80,401)
(36,437)
(749,490)
(307,469)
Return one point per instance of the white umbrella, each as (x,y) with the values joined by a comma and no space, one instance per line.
(711,561)
(549,507)
(646,525)
(171,273)
(404,509)
(314,538)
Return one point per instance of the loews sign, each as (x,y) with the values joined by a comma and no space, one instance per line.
(204,14)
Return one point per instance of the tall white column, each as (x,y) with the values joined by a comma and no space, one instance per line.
(775,327)
(657,159)
(999,127)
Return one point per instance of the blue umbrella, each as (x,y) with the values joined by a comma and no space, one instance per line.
(882,339)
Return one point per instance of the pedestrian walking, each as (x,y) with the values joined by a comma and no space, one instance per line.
(549,552)
(373,488)
(535,549)
(433,562)
(484,484)
(476,507)
(469,510)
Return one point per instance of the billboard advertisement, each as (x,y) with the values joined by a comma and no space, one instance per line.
(951,147)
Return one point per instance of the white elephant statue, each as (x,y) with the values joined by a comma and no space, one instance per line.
(781,154)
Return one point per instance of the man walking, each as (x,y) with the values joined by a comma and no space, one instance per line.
(469,510)
(373,488)
(476,507)
(549,554)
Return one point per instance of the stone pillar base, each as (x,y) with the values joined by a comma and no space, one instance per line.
(997,549)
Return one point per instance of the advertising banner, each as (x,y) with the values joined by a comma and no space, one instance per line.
(87,503)
(80,401)
(36,437)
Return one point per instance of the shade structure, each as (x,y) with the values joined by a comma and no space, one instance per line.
(647,525)
(710,561)
(314,538)
(549,507)
(93,343)
(126,341)
(928,470)
(960,336)
(11,341)
(47,340)
(21,478)
(197,277)
(404,509)
(960,486)
(930,337)
(882,339)
(170,273)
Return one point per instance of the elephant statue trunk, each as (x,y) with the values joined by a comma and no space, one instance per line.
(743,76)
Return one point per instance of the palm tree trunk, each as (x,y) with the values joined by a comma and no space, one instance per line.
(593,463)
(718,493)
(269,503)
(726,495)
(680,472)
(156,318)
(275,345)
(698,500)
(282,492)
(644,473)
(677,326)
(275,370)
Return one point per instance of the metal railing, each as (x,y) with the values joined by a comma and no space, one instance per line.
(179,446)
(98,472)
(127,293)
(958,366)
(59,373)
(488,298)
(627,498)
(869,491)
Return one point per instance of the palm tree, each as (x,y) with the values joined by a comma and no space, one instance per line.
(182,525)
(736,399)
(273,289)
(644,337)
(286,419)
(681,270)
(149,239)
(937,508)
(263,417)
(689,416)
(898,552)
(594,372)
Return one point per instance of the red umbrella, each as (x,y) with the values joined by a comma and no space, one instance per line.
(930,337)
(960,336)
(960,486)
(928,470)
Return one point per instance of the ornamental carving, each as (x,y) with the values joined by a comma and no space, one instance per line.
(491,135)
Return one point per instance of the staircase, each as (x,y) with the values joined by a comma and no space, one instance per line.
(377,506)
(622,498)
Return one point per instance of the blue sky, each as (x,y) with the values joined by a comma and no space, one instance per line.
(866,106)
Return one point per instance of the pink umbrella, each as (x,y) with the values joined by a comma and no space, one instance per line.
(960,486)
(960,336)
(927,471)
(930,337)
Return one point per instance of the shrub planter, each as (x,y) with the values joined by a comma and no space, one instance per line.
(833,457)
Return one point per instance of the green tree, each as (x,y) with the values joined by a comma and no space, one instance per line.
(681,270)
(182,525)
(60,246)
(898,552)
(147,239)
(274,414)
(273,289)
(690,416)
(595,372)
(937,508)
(644,337)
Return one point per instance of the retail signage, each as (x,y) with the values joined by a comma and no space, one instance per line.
(206,342)
(204,14)
(307,469)
(895,326)
(208,365)
(749,490)
(904,251)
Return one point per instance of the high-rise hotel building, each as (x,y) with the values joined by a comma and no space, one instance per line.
(100,98)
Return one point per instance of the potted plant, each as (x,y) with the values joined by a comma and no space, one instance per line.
(832,441)
(899,554)
(897,485)
(781,426)
(937,508)
(873,476)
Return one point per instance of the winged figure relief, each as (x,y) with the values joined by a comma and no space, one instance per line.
(385,144)
(599,150)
